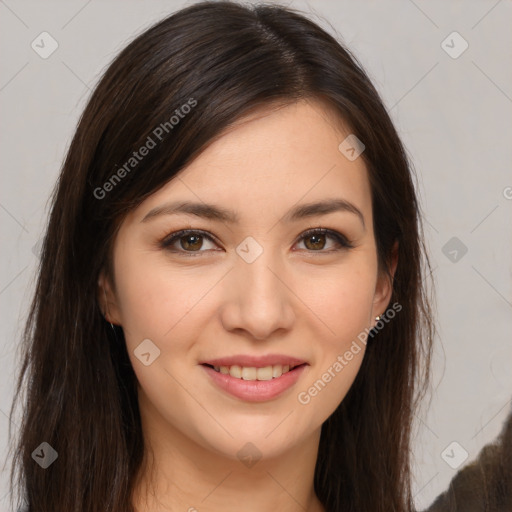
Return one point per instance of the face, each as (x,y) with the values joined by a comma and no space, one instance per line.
(257,281)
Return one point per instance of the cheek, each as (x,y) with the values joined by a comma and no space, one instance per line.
(341,299)
(156,299)
(342,303)
(139,297)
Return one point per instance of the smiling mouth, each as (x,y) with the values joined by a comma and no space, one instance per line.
(253,373)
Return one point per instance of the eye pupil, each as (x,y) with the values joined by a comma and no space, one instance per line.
(315,244)
(192,245)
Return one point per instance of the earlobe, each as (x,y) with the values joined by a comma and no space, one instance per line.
(107,300)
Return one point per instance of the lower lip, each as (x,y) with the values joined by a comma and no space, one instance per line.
(255,390)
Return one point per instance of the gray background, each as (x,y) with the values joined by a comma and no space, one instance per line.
(454,116)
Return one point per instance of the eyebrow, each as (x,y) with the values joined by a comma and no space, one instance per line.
(218,213)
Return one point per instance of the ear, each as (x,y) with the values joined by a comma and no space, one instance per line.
(107,300)
(384,288)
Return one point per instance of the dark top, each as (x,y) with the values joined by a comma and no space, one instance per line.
(485,485)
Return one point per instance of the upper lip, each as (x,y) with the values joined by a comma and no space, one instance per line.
(255,361)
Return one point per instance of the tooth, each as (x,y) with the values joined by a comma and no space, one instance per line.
(252,373)
(277,371)
(264,373)
(249,373)
(235,371)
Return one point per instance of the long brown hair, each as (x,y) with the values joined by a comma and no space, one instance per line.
(80,387)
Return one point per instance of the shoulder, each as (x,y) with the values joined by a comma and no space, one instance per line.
(486,483)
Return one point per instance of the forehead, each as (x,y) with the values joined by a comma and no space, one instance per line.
(270,160)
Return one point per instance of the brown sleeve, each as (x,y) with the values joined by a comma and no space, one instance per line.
(484,485)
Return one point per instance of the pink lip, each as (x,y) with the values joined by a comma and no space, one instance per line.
(255,390)
(255,361)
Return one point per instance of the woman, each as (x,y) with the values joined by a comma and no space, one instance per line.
(230,309)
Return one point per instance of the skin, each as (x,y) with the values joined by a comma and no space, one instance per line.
(302,297)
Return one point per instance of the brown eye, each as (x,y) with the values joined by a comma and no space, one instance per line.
(315,240)
(189,241)
(192,242)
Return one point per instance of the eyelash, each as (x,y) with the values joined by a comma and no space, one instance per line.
(341,240)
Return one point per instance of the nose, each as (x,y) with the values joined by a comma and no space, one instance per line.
(259,300)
